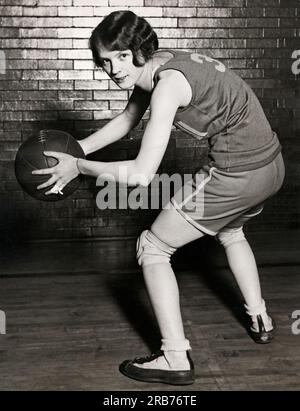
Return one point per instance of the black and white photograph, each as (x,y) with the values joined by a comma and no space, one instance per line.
(150,198)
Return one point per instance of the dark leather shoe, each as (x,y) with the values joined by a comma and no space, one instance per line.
(262,336)
(129,369)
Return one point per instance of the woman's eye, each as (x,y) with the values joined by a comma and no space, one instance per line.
(123,56)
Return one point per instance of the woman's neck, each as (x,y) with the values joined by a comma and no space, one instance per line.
(146,80)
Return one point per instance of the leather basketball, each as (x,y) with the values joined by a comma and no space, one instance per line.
(30,157)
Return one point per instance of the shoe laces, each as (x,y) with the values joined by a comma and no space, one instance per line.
(148,358)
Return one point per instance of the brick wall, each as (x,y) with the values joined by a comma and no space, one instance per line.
(50,82)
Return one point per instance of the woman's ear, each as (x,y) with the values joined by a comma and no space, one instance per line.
(140,58)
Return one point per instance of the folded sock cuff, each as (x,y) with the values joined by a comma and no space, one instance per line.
(175,345)
(256,310)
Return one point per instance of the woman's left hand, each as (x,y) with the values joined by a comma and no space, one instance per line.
(65,171)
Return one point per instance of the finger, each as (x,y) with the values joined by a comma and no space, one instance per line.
(55,154)
(56,189)
(47,183)
(44,171)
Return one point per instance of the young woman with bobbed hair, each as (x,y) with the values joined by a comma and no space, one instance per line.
(201,96)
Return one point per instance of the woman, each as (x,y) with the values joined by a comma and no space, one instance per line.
(199,95)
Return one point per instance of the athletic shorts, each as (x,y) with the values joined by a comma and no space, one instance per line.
(215,199)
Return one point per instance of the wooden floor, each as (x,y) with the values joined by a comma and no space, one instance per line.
(69,329)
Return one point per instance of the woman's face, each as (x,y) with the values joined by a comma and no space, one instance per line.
(119,66)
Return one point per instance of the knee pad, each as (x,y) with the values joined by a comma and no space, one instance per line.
(229,236)
(151,250)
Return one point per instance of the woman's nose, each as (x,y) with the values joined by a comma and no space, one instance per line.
(114,68)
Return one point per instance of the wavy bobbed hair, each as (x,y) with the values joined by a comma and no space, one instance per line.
(124,30)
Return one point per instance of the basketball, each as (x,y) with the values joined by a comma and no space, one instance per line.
(30,157)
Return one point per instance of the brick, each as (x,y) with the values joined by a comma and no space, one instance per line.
(56,85)
(267,83)
(212,12)
(193,33)
(280,12)
(75,54)
(39,115)
(91,85)
(168,43)
(85,22)
(21,64)
(82,44)
(54,43)
(10,95)
(289,3)
(55,64)
(18,43)
(75,11)
(208,22)
(9,32)
(11,145)
(18,85)
(279,33)
(95,125)
(246,33)
(100,75)
(74,33)
(249,74)
(263,43)
(28,95)
(115,3)
(104,3)
(76,115)
(117,105)
(74,232)
(39,75)
(178,12)
(55,2)
(248,12)
(39,54)
(11,116)
(264,3)
(10,11)
(10,135)
(40,11)
(38,33)
(75,95)
(163,22)
(91,105)
(198,3)
(54,22)
(215,43)
(265,22)
(18,2)
(13,75)
(140,11)
(39,95)
(231,3)
(110,95)
(165,3)
(37,105)
(84,65)
(75,75)
(286,22)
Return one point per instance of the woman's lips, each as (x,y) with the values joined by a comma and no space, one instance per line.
(120,79)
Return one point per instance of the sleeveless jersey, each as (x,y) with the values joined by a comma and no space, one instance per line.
(225,111)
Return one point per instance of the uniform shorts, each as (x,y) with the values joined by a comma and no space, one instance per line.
(214,199)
